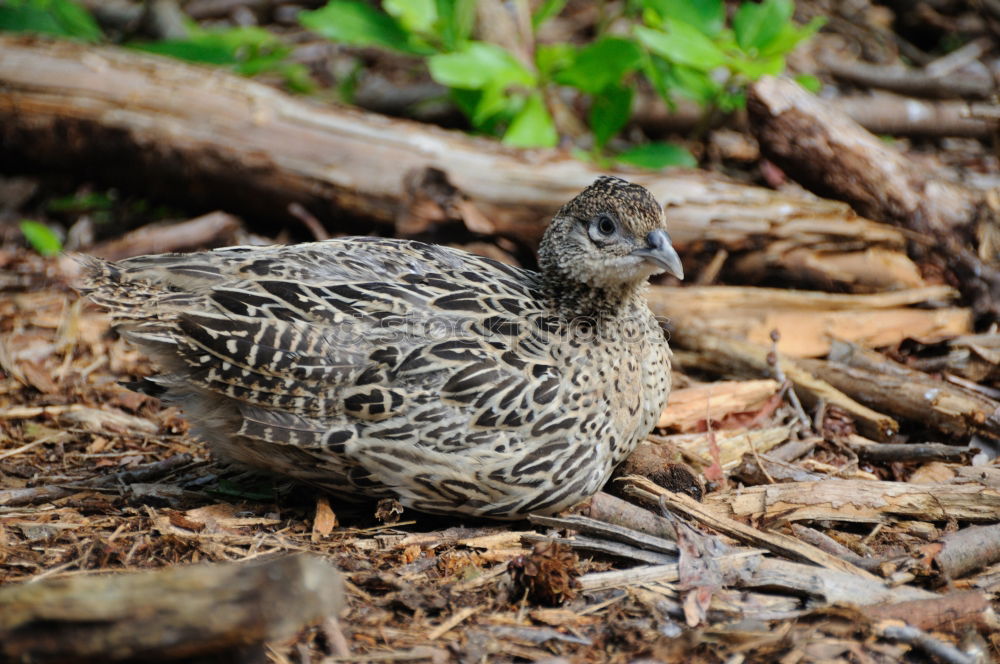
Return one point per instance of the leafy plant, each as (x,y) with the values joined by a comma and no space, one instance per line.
(693,54)
(61,18)
(41,238)
(246,50)
(682,47)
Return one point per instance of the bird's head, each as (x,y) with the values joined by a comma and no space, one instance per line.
(611,236)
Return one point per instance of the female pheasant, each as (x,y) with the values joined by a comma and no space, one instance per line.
(380,367)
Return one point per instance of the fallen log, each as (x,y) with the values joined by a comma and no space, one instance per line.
(808,320)
(831,155)
(859,501)
(175,612)
(881,383)
(691,406)
(878,112)
(213,140)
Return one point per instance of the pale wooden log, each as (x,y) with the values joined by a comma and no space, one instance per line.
(881,383)
(804,237)
(708,300)
(807,321)
(860,501)
(732,444)
(874,268)
(174,612)
(726,355)
(174,129)
(690,406)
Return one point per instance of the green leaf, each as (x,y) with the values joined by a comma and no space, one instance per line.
(357,23)
(79,203)
(456,21)
(693,84)
(754,68)
(254,49)
(757,25)
(247,50)
(533,126)
(477,66)
(609,112)
(493,105)
(550,58)
(809,82)
(61,18)
(249,38)
(706,15)
(790,36)
(601,64)
(729,101)
(545,11)
(657,155)
(657,71)
(40,237)
(76,20)
(683,44)
(297,77)
(192,51)
(414,15)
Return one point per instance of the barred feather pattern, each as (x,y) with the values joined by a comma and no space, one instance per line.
(378,367)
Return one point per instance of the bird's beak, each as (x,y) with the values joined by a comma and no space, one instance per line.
(661,253)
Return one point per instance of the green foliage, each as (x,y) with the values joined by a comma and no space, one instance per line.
(40,237)
(358,23)
(246,50)
(656,156)
(601,65)
(532,126)
(682,47)
(693,54)
(80,203)
(61,18)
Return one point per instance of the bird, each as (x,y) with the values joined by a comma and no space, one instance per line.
(391,368)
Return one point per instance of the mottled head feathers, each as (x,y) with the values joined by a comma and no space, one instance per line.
(610,238)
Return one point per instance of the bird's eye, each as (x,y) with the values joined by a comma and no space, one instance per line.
(605,225)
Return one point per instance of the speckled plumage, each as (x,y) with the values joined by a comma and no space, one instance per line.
(396,368)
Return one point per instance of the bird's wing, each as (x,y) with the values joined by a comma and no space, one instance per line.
(397,355)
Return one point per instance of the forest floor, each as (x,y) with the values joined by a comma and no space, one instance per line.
(96,478)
